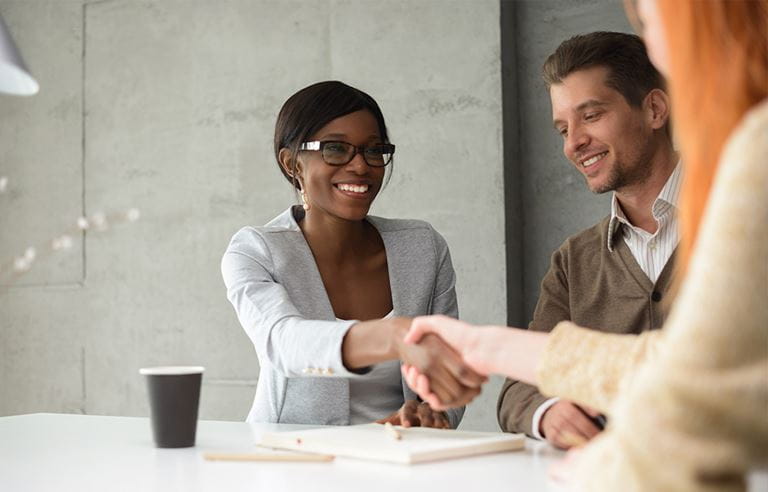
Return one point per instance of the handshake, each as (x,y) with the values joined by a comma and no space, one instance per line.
(445,361)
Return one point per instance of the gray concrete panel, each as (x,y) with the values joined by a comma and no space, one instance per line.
(182,98)
(42,350)
(179,101)
(41,145)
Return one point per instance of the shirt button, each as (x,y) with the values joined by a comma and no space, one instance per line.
(328,371)
(656,296)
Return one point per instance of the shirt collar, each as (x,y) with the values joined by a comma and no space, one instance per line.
(665,202)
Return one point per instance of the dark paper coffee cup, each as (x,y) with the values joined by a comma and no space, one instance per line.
(174,397)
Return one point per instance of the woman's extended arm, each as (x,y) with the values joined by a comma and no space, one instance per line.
(555,362)
(299,347)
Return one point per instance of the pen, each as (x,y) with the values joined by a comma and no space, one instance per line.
(600,421)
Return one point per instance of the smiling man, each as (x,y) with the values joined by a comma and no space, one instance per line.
(609,106)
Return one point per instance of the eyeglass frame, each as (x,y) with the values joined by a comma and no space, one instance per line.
(319,145)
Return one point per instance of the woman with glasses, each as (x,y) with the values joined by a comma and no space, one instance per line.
(326,292)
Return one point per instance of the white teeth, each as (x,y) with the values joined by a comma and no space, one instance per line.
(353,188)
(593,159)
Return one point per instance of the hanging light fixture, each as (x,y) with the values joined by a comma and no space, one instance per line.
(14,76)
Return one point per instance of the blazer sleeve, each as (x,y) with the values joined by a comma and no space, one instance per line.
(444,300)
(518,401)
(293,345)
(695,419)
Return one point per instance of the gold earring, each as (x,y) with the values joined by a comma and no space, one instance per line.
(305,204)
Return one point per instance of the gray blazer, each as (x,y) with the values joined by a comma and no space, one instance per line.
(275,287)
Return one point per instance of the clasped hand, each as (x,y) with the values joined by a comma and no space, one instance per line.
(451,381)
(470,354)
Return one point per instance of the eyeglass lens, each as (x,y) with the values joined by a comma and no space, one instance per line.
(340,153)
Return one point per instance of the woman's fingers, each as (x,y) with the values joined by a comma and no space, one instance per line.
(419,326)
(438,324)
(450,377)
(421,385)
(428,357)
(425,415)
(435,403)
(441,394)
(417,414)
(414,413)
(393,419)
(462,372)
(441,420)
(453,362)
(444,385)
(423,389)
(408,414)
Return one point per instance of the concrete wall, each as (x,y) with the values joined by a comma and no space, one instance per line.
(169,107)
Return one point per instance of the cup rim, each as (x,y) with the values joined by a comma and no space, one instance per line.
(171,370)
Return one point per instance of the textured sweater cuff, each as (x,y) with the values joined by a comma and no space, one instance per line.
(559,355)
(581,365)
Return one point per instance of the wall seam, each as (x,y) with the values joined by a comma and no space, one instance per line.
(83,134)
(513,212)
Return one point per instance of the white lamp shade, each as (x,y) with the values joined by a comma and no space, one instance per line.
(14,77)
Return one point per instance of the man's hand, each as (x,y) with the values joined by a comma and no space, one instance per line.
(417,414)
(565,424)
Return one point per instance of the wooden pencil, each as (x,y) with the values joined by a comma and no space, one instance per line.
(268,457)
(394,433)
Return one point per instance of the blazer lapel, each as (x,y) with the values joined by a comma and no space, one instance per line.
(399,270)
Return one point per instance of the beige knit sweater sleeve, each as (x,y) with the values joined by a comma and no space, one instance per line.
(688,406)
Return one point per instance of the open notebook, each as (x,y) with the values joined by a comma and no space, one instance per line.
(375,442)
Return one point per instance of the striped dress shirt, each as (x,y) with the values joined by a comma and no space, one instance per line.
(651,251)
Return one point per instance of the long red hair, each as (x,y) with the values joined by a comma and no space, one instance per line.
(718,70)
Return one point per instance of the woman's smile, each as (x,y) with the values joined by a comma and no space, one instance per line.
(354,190)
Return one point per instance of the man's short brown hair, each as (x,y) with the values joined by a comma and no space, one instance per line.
(630,71)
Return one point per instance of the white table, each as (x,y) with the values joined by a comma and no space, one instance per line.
(55,452)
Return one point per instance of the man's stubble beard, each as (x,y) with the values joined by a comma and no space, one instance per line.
(621,176)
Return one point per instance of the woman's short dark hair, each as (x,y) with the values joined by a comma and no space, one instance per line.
(630,71)
(313,107)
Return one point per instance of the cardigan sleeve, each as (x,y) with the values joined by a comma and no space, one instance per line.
(293,345)
(695,418)
(518,401)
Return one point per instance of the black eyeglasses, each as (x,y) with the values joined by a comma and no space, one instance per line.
(341,153)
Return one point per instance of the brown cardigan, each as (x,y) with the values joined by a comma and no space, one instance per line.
(591,286)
